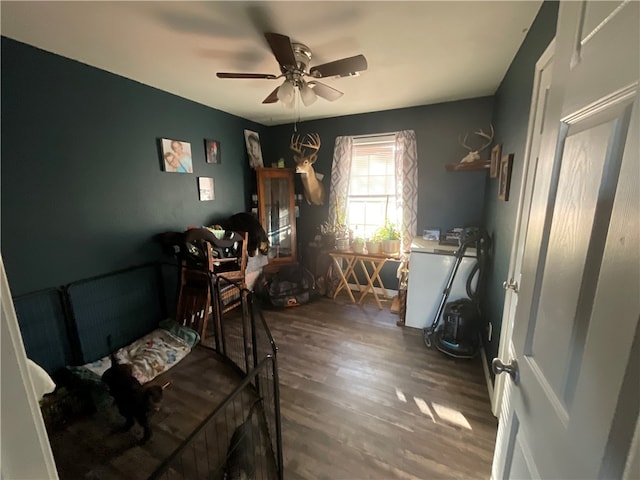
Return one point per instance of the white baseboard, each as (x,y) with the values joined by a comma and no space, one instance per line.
(487,374)
(378,290)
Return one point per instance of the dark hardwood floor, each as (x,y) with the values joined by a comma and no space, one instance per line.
(93,448)
(360,398)
(364,398)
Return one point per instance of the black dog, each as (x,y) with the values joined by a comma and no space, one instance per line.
(246,222)
(134,402)
(245,449)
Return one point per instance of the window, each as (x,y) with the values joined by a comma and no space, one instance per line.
(371,193)
(372,176)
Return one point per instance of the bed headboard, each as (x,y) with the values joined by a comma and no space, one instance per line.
(126,305)
(44,328)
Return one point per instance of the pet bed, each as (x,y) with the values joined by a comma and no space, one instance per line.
(152,354)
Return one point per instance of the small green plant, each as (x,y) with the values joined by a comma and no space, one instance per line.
(388,231)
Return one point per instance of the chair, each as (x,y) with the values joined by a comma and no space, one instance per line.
(222,263)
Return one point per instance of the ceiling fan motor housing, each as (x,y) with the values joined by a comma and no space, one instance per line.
(302,55)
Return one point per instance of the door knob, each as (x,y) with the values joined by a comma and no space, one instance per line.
(512,369)
(510,285)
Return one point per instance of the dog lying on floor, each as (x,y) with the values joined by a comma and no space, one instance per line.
(134,402)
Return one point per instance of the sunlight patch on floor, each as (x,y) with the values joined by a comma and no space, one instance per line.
(400,395)
(451,416)
(439,413)
(424,408)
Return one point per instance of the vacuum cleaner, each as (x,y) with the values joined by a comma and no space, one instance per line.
(455,329)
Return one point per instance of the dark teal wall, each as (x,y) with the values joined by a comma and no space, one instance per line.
(82,188)
(511,120)
(445,199)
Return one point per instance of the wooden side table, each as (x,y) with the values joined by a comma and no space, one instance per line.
(371,264)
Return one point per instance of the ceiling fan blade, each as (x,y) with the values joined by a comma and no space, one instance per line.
(273,96)
(281,48)
(325,91)
(343,66)
(268,76)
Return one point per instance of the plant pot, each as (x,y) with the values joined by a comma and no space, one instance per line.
(374,247)
(342,244)
(358,247)
(391,246)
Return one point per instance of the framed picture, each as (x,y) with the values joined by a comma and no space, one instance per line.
(432,234)
(252,140)
(205,189)
(496,154)
(212,151)
(504,182)
(176,156)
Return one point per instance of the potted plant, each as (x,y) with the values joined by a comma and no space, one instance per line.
(374,244)
(390,237)
(358,245)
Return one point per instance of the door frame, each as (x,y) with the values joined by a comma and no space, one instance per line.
(519,235)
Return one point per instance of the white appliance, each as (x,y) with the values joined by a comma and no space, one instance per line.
(430,266)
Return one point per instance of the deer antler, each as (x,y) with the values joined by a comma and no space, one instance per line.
(463,142)
(310,141)
(488,136)
(474,154)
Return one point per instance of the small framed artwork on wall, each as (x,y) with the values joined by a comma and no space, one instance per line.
(176,156)
(212,151)
(496,153)
(254,151)
(504,182)
(205,189)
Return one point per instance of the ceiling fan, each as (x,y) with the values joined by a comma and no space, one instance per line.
(294,60)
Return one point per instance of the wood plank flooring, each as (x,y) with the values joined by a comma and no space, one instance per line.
(364,398)
(91,448)
(360,398)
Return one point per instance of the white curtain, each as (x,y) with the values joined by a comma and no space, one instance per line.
(406,172)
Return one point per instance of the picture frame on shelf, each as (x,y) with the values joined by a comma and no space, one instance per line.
(496,155)
(212,151)
(504,181)
(431,234)
(175,156)
(205,189)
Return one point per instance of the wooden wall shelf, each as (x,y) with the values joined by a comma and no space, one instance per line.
(468,167)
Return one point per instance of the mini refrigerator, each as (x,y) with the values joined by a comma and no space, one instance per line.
(430,266)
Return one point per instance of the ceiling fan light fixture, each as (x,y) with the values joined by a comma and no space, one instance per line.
(307,94)
(286,92)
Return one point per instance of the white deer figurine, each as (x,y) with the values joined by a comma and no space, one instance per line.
(474,155)
(306,149)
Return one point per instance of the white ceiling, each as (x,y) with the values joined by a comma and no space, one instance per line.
(418,53)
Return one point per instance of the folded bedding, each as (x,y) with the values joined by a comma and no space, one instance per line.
(151,355)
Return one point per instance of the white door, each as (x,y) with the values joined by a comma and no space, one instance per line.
(574,408)
(539,103)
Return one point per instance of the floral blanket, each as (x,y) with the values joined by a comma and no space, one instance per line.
(151,355)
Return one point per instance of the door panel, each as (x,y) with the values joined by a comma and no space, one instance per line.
(579,306)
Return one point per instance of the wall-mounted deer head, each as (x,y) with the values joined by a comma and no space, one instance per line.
(306,153)
(474,153)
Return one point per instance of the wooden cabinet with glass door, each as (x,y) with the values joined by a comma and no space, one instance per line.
(276,209)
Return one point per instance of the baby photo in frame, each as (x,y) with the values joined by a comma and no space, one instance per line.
(254,151)
(212,151)
(176,156)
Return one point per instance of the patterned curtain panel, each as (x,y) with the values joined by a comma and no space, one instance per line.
(340,171)
(407,184)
